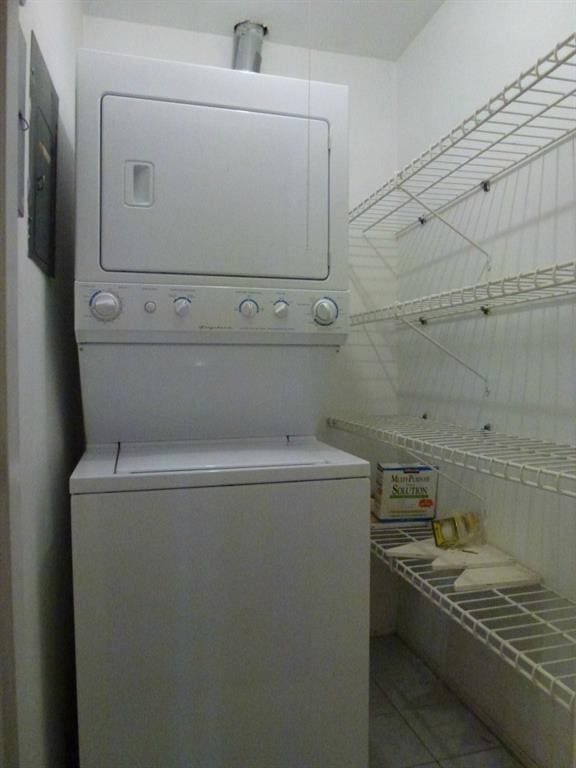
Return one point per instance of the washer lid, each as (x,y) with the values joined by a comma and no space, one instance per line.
(221,455)
(147,466)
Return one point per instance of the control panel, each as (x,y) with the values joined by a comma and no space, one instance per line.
(118,312)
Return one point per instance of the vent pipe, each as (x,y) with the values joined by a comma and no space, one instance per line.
(248,38)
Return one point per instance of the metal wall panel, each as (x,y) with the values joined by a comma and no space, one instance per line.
(43,157)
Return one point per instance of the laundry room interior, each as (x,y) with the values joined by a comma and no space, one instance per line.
(288,391)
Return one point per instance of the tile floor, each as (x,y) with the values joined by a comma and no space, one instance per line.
(415,721)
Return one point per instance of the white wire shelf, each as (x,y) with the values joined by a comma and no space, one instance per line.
(530,115)
(535,463)
(531,628)
(556,281)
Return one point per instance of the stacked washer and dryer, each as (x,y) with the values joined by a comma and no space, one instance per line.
(220,551)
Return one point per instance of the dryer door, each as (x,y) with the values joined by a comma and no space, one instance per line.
(202,190)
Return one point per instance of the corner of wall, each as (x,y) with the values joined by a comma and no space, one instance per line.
(46,431)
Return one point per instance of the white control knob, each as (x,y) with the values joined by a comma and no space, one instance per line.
(281,309)
(325,311)
(182,306)
(248,308)
(105,305)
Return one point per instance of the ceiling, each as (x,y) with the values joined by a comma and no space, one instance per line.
(379,28)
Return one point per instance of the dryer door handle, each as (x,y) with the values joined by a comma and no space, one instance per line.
(138,184)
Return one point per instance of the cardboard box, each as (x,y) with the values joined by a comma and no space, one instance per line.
(406,492)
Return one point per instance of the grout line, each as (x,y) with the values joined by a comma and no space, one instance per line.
(488,748)
(418,738)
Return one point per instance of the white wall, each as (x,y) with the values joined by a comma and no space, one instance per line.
(45,431)
(526,221)
(467,53)
(365,371)
(8,741)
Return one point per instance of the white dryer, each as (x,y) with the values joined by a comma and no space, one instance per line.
(211,249)
(221,605)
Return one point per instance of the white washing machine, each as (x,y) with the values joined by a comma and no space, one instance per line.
(221,605)
(220,552)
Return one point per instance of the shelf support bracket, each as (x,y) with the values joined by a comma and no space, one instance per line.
(432,212)
(446,351)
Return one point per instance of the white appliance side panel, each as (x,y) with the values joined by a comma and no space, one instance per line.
(204,190)
(151,392)
(223,627)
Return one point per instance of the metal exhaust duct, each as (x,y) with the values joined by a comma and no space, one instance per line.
(248,37)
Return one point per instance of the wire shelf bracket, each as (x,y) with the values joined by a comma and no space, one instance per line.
(534,463)
(446,351)
(531,628)
(531,115)
(438,215)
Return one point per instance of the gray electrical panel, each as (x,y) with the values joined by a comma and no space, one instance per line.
(23,125)
(43,156)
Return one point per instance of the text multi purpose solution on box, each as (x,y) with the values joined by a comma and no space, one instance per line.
(406,492)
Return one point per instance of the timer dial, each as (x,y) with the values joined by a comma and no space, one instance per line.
(248,308)
(281,309)
(182,306)
(325,311)
(105,305)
